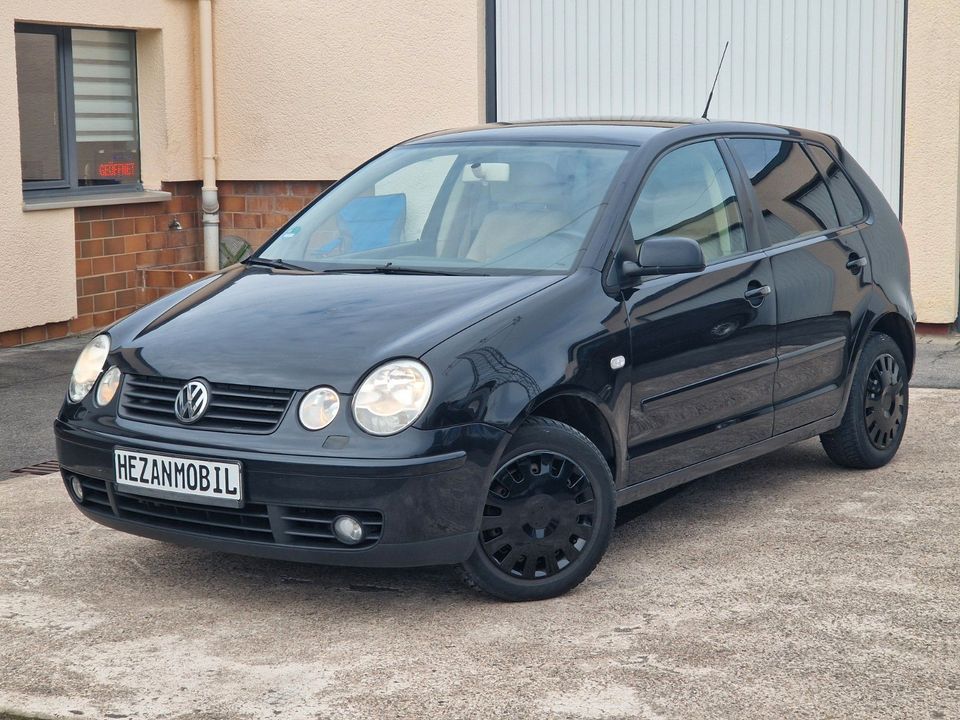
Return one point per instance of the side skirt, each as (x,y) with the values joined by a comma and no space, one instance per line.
(645,489)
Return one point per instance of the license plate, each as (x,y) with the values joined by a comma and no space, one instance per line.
(177,478)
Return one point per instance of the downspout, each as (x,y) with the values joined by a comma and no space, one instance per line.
(209,203)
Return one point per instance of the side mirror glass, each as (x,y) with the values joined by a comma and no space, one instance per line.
(666,256)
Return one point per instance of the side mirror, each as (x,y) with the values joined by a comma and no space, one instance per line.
(666,256)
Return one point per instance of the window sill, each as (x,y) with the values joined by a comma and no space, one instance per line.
(97,199)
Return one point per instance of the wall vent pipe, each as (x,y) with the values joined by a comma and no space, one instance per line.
(209,202)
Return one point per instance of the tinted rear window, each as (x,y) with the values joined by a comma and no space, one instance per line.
(849,207)
(793,197)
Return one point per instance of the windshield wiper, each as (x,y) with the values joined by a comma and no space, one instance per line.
(273,263)
(391,269)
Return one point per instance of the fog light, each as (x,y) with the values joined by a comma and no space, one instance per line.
(348,530)
(77,487)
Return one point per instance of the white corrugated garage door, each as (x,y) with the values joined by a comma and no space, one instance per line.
(831,65)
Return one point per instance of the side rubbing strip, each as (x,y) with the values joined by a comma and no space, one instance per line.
(681,394)
(795,357)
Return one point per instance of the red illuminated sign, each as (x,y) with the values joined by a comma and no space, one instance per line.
(117,169)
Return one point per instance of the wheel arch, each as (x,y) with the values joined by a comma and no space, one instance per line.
(898,328)
(584,413)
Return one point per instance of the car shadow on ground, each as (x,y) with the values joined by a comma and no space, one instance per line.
(647,526)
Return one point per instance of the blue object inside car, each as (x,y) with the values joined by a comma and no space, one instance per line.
(369,222)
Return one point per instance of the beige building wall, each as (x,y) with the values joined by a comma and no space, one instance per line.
(37,275)
(306,91)
(931,180)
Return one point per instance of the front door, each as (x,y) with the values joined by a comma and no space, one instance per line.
(704,344)
(820,269)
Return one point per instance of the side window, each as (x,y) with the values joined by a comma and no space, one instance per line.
(689,194)
(793,197)
(845,197)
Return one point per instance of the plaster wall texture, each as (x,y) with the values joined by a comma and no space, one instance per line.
(303,92)
(315,90)
(38,273)
(306,92)
(932,157)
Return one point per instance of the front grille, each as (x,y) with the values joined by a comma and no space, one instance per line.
(284,525)
(232,408)
(247,523)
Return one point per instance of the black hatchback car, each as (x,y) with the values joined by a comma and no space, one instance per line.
(477,346)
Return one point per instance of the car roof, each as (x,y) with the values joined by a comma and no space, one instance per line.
(617,131)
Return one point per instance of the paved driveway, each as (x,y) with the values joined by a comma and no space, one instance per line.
(781,588)
(33,382)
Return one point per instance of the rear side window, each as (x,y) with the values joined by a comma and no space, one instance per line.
(847,201)
(794,200)
(689,194)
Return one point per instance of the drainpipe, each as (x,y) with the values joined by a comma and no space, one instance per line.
(209,202)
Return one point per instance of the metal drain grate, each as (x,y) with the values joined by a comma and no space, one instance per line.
(41,468)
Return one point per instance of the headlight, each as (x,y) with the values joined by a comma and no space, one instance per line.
(88,367)
(108,386)
(319,407)
(392,397)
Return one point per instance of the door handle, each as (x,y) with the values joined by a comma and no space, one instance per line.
(856,263)
(761,291)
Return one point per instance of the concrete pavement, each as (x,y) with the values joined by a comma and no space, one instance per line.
(938,362)
(33,381)
(783,588)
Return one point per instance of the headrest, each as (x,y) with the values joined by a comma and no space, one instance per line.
(529,183)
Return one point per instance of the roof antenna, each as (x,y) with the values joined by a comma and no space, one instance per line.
(715,78)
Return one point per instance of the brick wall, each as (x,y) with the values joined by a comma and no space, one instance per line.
(115,247)
(127,255)
(254,210)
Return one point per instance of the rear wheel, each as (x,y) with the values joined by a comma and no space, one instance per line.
(547,517)
(876,415)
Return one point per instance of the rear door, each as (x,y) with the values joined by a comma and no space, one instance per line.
(703,345)
(820,273)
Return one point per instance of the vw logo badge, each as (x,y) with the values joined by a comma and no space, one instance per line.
(192,401)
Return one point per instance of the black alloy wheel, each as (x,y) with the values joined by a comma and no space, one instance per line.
(875,417)
(883,402)
(539,515)
(547,517)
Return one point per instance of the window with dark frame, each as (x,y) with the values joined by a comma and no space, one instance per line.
(845,197)
(794,199)
(690,193)
(77,92)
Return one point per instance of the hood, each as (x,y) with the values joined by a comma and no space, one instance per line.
(277,328)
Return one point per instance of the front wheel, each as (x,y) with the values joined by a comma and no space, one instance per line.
(876,415)
(547,518)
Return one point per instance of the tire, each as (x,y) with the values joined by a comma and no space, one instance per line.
(876,415)
(549,513)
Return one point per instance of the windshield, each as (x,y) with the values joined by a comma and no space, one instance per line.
(456,208)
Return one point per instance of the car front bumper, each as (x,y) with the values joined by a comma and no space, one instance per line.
(420,511)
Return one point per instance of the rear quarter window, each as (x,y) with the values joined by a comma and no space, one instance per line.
(849,207)
(794,200)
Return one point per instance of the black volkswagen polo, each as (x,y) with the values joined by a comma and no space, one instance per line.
(479,344)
